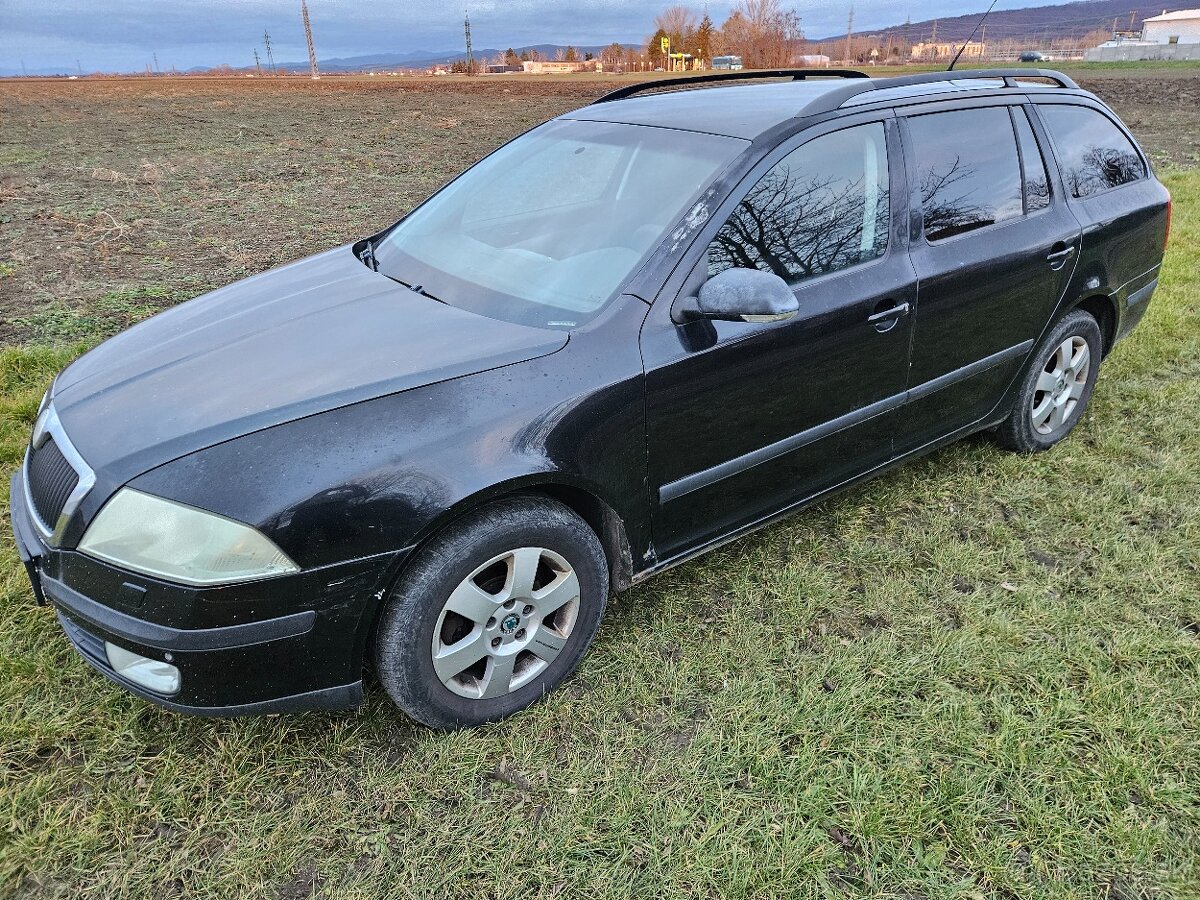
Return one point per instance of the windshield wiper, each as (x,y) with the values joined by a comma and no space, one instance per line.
(368,256)
(420,289)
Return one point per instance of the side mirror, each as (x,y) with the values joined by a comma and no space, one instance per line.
(740,295)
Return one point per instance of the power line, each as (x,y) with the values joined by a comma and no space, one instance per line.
(849,33)
(312,54)
(470,56)
(270,57)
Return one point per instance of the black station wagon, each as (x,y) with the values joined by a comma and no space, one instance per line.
(637,331)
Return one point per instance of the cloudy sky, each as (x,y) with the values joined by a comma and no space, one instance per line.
(121,35)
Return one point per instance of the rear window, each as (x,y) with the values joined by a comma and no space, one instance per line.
(968,170)
(1092,151)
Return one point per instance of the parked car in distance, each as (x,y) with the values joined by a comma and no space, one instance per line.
(1035,56)
(634,333)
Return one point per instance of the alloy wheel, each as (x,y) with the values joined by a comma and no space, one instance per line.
(1060,385)
(505,623)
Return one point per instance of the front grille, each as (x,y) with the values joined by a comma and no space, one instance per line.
(51,480)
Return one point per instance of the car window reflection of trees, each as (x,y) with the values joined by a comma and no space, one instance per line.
(798,227)
(1100,168)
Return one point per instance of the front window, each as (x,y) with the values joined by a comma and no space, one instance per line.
(822,208)
(545,230)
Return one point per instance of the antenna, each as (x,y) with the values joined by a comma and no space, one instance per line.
(470,56)
(270,57)
(950,68)
(312,54)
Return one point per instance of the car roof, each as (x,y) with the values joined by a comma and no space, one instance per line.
(741,111)
(746,110)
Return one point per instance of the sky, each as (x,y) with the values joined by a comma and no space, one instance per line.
(122,35)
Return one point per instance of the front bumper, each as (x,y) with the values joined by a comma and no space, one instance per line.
(282,645)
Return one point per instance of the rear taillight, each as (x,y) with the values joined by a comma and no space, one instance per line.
(1167,236)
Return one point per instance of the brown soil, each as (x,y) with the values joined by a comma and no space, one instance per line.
(119,197)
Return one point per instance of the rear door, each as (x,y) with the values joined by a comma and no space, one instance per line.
(994,246)
(1122,209)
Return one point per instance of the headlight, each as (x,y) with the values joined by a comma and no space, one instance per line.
(180,543)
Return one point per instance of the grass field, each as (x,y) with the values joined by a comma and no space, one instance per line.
(978,676)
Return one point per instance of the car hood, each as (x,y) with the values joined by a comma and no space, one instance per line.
(302,339)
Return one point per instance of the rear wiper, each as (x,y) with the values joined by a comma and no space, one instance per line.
(368,256)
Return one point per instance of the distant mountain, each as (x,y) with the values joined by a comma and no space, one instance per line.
(423,59)
(1034,23)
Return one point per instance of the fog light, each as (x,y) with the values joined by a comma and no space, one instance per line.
(160,677)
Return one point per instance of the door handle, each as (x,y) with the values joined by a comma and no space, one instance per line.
(1059,254)
(885,320)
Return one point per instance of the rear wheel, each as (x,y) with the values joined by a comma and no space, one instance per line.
(495,613)
(1055,387)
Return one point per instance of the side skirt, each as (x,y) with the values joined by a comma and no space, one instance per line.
(983,424)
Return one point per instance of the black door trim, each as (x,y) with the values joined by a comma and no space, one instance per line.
(697,480)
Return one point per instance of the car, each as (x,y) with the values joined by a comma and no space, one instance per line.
(1035,56)
(640,330)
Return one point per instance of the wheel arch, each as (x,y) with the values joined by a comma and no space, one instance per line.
(581,499)
(1103,309)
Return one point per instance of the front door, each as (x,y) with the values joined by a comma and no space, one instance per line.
(747,419)
(996,251)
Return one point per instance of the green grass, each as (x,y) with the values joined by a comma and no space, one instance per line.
(977,676)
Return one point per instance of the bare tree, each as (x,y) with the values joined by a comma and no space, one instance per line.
(612,57)
(677,22)
(762,33)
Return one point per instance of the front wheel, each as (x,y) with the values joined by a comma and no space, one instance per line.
(494,614)
(1055,387)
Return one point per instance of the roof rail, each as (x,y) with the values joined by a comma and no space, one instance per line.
(794,74)
(835,99)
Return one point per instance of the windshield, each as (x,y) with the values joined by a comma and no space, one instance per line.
(546,229)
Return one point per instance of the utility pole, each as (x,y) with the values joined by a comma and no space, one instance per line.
(312,54)
(933,38)
(257,64)
(849,33)
(78,67)
(157,70)
(24,74)
(982,41)
(467,32)
(270,57)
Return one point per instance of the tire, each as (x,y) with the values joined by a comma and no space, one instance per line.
(503,637)
(1054,390)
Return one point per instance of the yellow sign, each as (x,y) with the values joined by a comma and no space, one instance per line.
(666,44)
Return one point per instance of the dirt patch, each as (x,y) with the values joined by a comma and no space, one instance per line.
(119,198)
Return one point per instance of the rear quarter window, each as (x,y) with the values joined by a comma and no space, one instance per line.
(1092,151)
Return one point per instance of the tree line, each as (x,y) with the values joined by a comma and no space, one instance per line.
(761,32)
